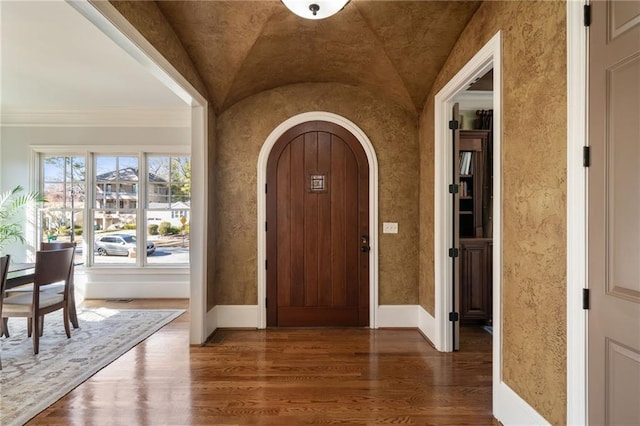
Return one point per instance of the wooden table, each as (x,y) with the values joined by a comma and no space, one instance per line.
(20,273)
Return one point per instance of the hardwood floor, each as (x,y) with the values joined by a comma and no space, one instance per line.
(284,377)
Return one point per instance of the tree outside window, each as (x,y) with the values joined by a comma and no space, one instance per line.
(168,205)
(63,185)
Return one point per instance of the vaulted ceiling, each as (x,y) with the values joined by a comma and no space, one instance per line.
(392,48)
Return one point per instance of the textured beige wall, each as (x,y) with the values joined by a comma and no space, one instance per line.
(534,186)
(243,128)
(533,141)
(149,20)
(211,210)
(426,271)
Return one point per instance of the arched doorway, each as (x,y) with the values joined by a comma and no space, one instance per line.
(271,140)
(317,228)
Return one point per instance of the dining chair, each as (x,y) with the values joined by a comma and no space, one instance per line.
(52,266)
(73,316)
(71,301)
(4,268)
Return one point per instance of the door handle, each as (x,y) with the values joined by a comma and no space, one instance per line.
(364,244)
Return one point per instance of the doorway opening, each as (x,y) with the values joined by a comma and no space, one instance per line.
(317,228)
(488,58)
(472,151)
(372,161)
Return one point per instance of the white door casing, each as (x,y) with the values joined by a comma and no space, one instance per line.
(576,213)
(107,18)
(262,204)
(488,57)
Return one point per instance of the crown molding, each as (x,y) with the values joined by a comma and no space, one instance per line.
(96,117)
(475,99)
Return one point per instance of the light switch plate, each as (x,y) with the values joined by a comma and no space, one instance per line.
(390,227)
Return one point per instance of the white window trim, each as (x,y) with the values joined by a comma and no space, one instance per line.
(89,152)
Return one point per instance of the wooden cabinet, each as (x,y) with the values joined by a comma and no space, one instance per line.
(475,226)
(475,184)
(476,294)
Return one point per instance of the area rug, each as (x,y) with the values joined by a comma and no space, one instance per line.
(30,383)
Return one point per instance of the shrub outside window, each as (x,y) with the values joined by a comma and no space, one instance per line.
(168,203)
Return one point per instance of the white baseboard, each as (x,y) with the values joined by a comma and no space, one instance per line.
(427,324)
(136,290)
(104,283)
(510,409)
(397,316)
(237,316)
(211,321)
(246,316)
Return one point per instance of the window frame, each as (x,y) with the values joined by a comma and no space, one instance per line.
(90,153)
(66,183)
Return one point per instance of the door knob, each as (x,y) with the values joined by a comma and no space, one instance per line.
(364,244)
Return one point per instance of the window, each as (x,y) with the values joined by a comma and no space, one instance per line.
(64,188)
(168,203)
(113,197)
(115,205)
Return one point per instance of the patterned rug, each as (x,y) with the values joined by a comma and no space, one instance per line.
(30,383)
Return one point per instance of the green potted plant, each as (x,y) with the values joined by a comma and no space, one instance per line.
(11,202)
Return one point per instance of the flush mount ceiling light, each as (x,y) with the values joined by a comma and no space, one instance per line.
(315,9)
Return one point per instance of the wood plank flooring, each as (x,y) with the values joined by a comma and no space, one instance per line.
(284,377)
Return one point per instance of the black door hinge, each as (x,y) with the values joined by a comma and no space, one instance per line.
(266,302)
(265,188)
(453,316)
(586,156)
(266,226)
(587,15)
(585,298)
(454,252)
(453,188)
(453,124)
(266,264)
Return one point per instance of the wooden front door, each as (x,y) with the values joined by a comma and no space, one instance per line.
(614,214)
(317,228)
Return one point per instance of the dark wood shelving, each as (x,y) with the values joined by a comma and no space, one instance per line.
(474,211)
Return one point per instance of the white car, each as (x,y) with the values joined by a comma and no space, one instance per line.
(119,244)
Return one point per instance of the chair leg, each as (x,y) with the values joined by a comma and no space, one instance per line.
(36,335)
(65,316)
(4,327)
(41,325)
(73,316)
(29,326)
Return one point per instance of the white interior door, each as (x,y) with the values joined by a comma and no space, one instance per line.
(456,226)
(614,214)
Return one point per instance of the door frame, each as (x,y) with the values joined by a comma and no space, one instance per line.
(110,21)
(488,57)
(263,158)
(577,95)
